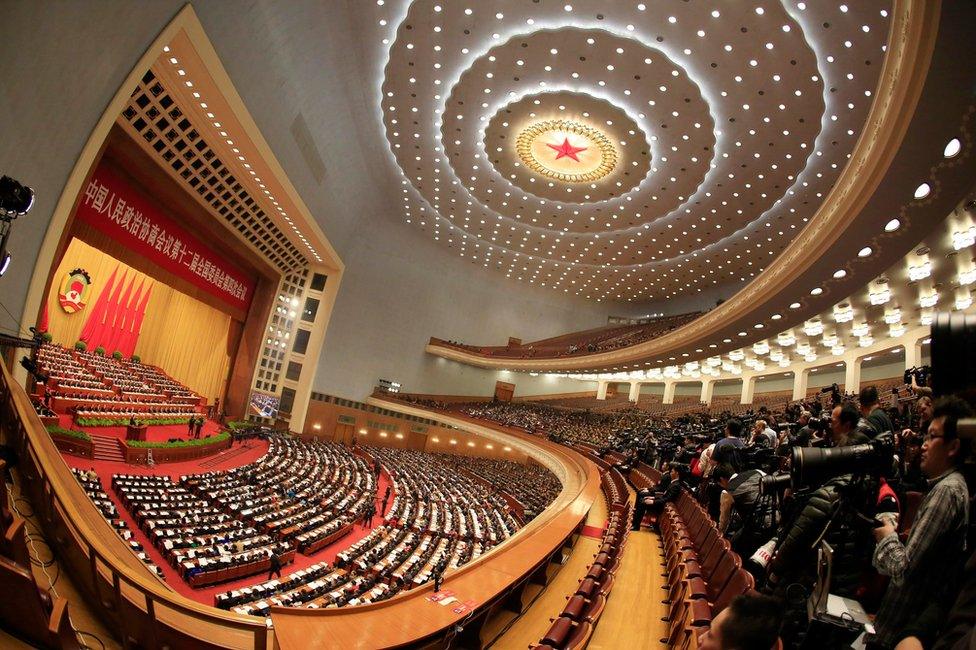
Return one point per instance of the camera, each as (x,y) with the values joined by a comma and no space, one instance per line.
(921,375)
(774,483)
(812,466)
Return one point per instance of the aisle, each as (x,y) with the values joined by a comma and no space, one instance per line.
(632,618)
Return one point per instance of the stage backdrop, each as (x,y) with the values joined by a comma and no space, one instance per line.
(188,339)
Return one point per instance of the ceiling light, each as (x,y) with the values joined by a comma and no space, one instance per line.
(813,328)
(964,238)
(922,191)
(837,350)
(892,225)
(794,305)
(879,296)
(865,341)
(963,299)
(864,252)
(929,300)
(892,316)
(843,313)
(816,291)
(840,273)
(762,347)
(737,355)
(860,329)
(920,271)
(896,330)
(786,339)
(967,277)
(952,148)
(926,317)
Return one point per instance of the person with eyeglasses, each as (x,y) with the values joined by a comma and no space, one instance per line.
(921,569)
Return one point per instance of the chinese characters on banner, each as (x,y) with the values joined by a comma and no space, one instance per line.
(115,208)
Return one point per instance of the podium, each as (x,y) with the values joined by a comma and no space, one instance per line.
(137,432)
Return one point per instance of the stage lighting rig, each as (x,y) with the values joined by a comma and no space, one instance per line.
(16,200)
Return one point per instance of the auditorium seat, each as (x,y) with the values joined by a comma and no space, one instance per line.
(32,615)
(14,543)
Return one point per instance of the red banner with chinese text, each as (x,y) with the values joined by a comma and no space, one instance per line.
(116,208)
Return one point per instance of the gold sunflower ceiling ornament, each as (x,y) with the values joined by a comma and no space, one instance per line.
(567,151)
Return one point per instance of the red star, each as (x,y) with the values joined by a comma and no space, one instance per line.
(566,149)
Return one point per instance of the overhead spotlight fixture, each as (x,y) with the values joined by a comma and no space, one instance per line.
(952,148)
(864,252)
(16,199)
(922,191)
(892,225)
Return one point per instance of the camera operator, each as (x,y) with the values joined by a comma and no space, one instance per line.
(876,421)
(823,513)
(919,568)
(763,436)
(726,449)
(806,435)
(910,447)
(738,519)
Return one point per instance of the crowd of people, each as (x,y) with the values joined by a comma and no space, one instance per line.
(533,486)
(100,390)
(877,481)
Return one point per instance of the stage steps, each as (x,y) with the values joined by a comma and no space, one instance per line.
(107,448)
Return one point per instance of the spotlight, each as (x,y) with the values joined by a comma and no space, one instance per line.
(15,199)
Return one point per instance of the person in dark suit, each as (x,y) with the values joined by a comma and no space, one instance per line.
(199,426)
(189,427)
(275,565)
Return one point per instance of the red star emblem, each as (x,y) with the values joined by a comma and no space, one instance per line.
(566,149)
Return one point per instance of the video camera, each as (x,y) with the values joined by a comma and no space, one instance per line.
(812,466)
(921,375)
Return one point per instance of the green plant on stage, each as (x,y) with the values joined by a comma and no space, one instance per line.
(135,358)
(71,433)
(176,444)
(81,346)
(117,355)
(100,350)
(239,424)
(47,337)
(121,421)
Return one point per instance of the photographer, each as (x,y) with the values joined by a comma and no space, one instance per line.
(824,513)
(806,435)
(726,449)
(763,436)
(919,568)
(738,517)
(750,622)
(876,421)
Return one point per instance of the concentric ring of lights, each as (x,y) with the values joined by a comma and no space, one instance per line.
(689,262)
(528,136)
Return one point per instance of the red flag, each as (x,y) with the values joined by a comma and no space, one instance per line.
(103,328)
(137,325)
(43,323)
(130,316)
(120,319)
(95,314)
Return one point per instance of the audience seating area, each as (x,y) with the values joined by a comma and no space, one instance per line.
(438,520)
(601,339)
(35,614)
(533,486)
(95,387)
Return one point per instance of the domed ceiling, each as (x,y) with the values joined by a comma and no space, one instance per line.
(624,150)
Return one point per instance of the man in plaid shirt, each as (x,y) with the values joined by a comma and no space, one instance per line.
(921,568)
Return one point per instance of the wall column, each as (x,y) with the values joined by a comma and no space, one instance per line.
(669,387)
(601,389)
(706,393)
(635,387)
(748,388)
(852,373)
(800,380)
(913,353)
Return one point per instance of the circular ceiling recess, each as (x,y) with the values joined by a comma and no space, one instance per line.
(624,151)
(539,146)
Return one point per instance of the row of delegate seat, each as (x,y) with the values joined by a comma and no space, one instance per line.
(29,611)
(703,573)
(573,627)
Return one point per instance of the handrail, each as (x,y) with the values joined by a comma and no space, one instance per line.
(99,558)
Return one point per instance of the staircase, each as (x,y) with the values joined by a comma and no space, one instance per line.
(107,448)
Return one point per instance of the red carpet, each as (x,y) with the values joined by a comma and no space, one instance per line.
(255,449)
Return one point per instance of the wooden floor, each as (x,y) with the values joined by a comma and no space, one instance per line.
(91,632)
(632,618)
